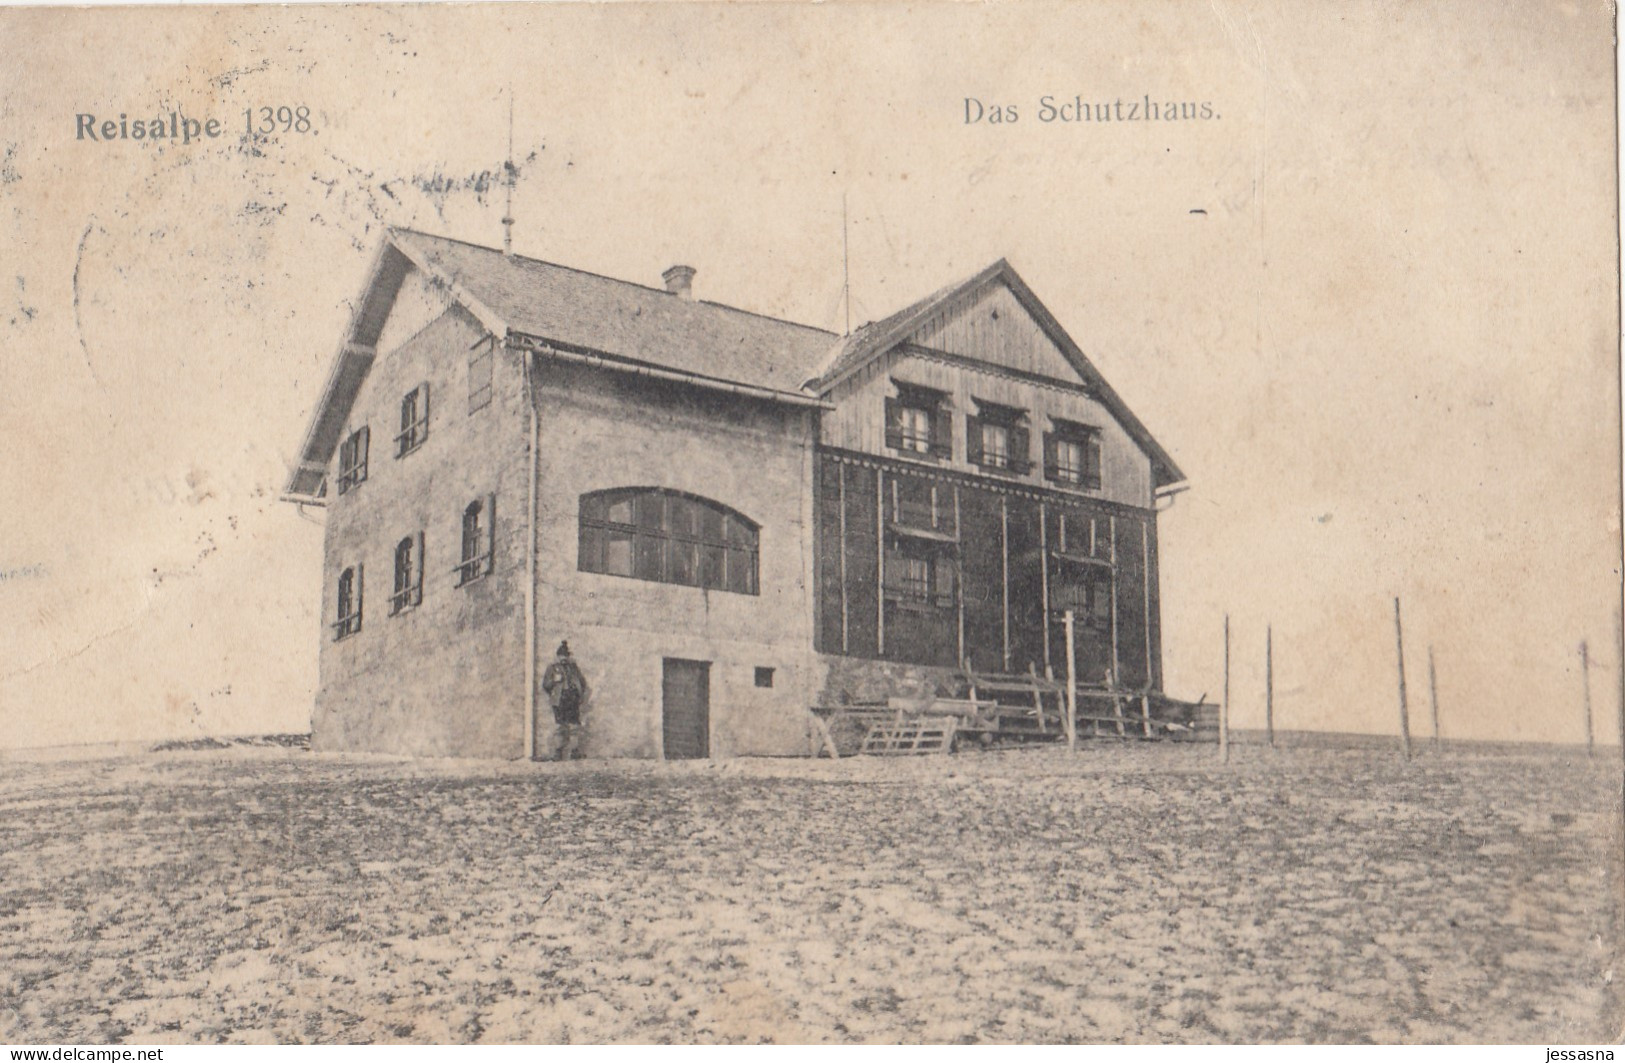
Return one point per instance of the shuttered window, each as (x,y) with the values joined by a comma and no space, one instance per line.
(998,446)
(919,421)
(353,459)
(479,539)
(414,421)
(996,437)
(408,574)
(348,603)
(920,573)
(995,450)
(1072,455)
(666,536)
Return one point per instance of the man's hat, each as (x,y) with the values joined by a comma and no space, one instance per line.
(564,649)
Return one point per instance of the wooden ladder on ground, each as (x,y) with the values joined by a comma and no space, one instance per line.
(910,738)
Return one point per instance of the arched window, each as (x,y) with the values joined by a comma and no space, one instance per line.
(668,537)
(408,574)
(349,603)
(479,539)
(414,421)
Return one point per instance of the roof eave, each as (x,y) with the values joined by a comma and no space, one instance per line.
(618,363)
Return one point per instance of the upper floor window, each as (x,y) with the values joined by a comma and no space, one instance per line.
(667,537)
(919,421)
(408,574)
(479,376)
(995,440)
(349,603)
(353,459)
(479,539)
(414,421)
(996,437)
(1072,455)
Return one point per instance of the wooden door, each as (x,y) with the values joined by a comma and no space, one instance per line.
(685,690)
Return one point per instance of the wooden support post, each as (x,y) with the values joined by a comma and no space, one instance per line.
(1585,686)
(1404,707)
(1038,697)
(1060,698)
(1004,560)
(1043,574)
(1433,698)
(880,562)
(959,581)
(1117,668)
(1224,706)
(1145,588)
(1071,687)
(1269,684)
(828,738)
(845,614)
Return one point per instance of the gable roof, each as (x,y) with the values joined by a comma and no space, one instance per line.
(623,319)
(876,338)
(627,325)
(636,327)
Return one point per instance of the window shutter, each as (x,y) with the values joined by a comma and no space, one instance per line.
(894,425)
(423,408)
(942,432)
(417,576)
(470,547)
(943,571)
(1091,462)
(361,450)
(1020,449)
(973,439)
(589,545)
(490,533)
(1051,461)
(360,584)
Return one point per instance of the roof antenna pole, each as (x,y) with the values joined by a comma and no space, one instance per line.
(846,273)
(507,213)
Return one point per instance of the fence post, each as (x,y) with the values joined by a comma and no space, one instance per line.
(1269,684)
(1404,708)
(1224,706)
(1585,686)
(1433,697)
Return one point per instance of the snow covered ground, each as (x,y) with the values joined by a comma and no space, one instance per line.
(1129,893)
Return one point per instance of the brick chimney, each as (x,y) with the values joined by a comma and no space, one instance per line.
(680,281)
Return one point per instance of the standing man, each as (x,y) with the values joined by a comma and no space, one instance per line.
(566,687)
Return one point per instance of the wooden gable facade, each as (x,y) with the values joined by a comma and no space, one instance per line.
(977,480)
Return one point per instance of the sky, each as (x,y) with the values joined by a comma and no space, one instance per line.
(1370,307)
